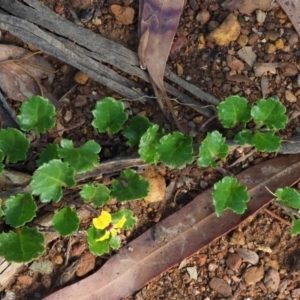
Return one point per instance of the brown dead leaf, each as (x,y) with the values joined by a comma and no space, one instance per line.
(158,25)
(21,72)
(263,68)
(264,84)
(185,232)
(241,78)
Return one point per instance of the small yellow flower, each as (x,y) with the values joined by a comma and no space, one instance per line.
(104,221)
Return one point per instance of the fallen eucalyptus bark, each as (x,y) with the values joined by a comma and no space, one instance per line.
(86,51)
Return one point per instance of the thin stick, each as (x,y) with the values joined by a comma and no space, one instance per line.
(68,251)
(277,217)
(287,209)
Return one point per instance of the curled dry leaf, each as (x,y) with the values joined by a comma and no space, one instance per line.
(264,84)
(263,68)
(20,70)
(288,69)
(158,25)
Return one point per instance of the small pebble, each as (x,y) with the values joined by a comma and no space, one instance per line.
(238,238)
(253,275)
(203,16)
(242,40)
(193,4)
(203,184)
(248,255)
(283,286)
(270,48)
(68,115)
(25,279)
(220,286)
(279,14)
(233,261)
(81,78)
(293,39)
(192,272)
(260,16)
(253,37)
(124,15)
(272,35)
(288,69)
(272,280)
(295,293)
(279,44)
(59,8)
(80,101)
(290,97)
(212,267)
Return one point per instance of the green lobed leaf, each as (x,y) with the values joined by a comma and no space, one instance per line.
(243,137)
(81,159)
(99,194)
(175,150)
(24,245)
(295,230)
(13,144)
(49,179)
(148,145)
(47,154)
(270,112)
(37,114)
(136,127)
(228,193)
(289,197)
(109,115)
(266,141)
(1,159)
(130,186)
(66,221)
(128,214)
(212,147)
(115,242)
(19,210)
(234,110)
(97,247)
(1,211)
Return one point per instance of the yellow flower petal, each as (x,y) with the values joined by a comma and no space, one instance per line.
(103,220)
(104,237)
(120,224)
(114,232)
